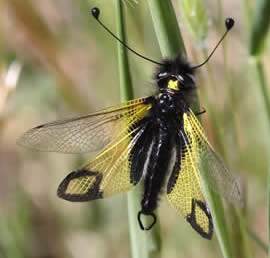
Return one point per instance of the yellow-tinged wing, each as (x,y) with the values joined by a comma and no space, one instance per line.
(210,163)
(185,192)
(89,133)
(184,187)
(109,173)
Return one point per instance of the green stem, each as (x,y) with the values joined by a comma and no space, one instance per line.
(247,13)
(258,33)
(143,244)
(260,27)
(126,91)
(257,240)
(263,88)
(166,27)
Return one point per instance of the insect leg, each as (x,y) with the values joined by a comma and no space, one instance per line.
(200,112)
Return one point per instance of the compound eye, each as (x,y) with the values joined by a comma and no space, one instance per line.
(191,77)
(180,78)
(162,75)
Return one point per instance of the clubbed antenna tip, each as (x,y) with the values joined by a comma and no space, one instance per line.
(229,22)
(95,12)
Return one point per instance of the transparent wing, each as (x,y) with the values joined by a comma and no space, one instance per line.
(195,156)
(109,173)
(208,161)
(89,133)
(185,193)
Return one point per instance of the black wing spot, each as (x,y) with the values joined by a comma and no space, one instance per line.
(191,218)
(93,192)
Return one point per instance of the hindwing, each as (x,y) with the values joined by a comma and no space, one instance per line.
(195,155)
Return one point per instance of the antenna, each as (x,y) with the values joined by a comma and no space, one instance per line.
(95,13)
(229,22)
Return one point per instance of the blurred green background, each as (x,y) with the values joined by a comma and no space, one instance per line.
(56,62)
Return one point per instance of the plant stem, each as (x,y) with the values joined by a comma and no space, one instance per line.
(126,90)
(143,244)
(263,88)
(259,29)
(166,27)
(257,240)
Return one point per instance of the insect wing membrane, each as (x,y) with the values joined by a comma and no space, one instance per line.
(210,163)
(184,190)
(109,173)
(89,133)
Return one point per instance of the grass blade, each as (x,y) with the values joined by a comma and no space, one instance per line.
(259,28)
(195,18)
(126,91)
(166,27)
(143,244)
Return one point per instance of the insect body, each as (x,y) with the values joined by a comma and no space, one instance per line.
(140,139)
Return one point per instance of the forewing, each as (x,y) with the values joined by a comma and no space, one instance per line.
(210,163)
(184,189)
(89,133)
(108,174)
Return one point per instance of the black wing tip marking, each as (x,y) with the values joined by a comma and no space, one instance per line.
(191,218)
(93,192)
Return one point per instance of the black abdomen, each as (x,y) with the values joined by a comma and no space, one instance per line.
(156,170)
